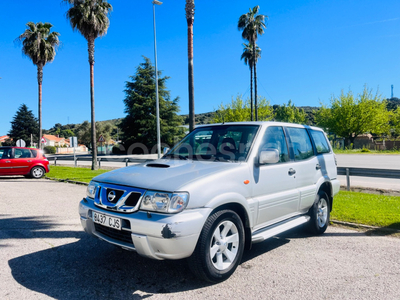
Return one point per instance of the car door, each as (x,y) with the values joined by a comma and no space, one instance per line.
(306,166)
(5,161)
(21,162)
(275,184)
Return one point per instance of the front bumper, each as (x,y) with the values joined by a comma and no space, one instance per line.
(154,235)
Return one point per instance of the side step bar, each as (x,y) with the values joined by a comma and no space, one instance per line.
(270,231)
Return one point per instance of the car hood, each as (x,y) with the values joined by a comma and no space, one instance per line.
(164,174)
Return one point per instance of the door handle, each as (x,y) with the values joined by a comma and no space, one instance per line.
(292,171)
(29,161)
(318,167)
(7,161)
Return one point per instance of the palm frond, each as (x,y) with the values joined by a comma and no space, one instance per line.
(38,43)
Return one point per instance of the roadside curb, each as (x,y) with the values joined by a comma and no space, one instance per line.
(67,181)
(369,190)
(366,227)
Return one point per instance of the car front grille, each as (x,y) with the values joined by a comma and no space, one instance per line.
(118,198)
(119,235)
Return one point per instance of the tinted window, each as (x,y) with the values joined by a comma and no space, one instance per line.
(274,138)
(301,143)
(222,143)
(22,153)
(320,141)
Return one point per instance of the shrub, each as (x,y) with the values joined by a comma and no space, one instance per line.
(49,150)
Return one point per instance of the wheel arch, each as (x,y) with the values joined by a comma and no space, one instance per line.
(242,213)
(327,188)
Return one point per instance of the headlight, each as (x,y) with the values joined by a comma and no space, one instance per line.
(164,202)
(91,189)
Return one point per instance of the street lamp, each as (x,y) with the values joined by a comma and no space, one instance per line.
(155,2)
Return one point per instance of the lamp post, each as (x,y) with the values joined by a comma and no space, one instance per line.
(155,2)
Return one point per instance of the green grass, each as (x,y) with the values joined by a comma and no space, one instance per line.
(71,173)
(367,209)
(360,208)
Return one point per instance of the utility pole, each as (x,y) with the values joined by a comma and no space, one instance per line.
(392,91)
(189,8)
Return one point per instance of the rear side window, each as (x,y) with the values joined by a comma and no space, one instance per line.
(301,143)
(320,142)
(22,153)
(34,153)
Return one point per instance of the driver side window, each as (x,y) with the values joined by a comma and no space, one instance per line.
(274,138)
(5,153)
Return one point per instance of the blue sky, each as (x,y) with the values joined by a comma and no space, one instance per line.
(310,50)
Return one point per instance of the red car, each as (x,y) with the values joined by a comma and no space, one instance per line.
(23,161)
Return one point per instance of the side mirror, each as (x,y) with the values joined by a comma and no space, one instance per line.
(268,156)
(165,150)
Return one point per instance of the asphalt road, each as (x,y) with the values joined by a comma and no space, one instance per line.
(44,254)
(373,161)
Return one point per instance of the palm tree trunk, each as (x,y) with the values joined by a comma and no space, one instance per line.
(92,119)
(40,80)
(251,93)
(255,81)
(192,121)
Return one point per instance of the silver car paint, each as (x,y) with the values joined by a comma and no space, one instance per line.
(210,185)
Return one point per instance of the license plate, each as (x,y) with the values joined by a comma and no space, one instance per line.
(107,220)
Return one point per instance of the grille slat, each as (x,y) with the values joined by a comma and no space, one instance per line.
(118,198)
(119,235)
(133,199)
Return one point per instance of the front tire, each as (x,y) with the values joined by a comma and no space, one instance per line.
(220,247)
(37,172)
(320,214)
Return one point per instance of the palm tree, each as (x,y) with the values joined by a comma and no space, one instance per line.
(90,18)
(252,25)
(39,44)
(189,8)
(247,56)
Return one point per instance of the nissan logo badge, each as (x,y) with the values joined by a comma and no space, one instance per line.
(111,196)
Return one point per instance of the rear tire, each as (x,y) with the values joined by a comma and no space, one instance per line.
(37,172)
(220,247)
(319,213)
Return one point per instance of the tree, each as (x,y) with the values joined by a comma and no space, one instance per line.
(83,132)
(39,44)
(252,24)
(23,125)
(90,18)
(290,113)
(250,60)
(139,126)
(351,116)
(396,122)
(189,8)
(239,111)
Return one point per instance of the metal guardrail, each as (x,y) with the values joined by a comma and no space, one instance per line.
(367,172)
(125,160)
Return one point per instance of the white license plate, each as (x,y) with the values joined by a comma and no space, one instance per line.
(107,220)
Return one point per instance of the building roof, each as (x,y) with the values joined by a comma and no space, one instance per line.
(53,138)
(3,138)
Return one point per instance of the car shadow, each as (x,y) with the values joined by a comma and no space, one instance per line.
(93,269)
(32,227)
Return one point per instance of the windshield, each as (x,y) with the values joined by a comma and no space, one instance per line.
(216,143)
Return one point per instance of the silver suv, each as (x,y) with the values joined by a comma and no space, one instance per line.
(220,189)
